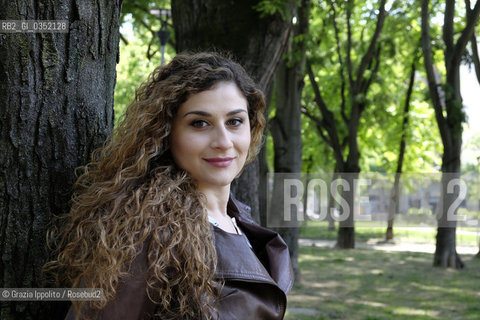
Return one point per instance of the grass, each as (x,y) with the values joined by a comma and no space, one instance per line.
(319,230)
(374,285)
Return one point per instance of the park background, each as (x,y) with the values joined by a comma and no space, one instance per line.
(352,87)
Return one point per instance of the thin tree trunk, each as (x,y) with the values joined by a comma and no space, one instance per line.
(331,207)
(393,206)
(287,142)
(56,107)
(258,44)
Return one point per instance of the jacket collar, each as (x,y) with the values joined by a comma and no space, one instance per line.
(268,246)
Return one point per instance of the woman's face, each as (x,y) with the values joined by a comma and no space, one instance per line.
(211,135)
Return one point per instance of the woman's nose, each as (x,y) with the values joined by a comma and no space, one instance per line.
(221,138)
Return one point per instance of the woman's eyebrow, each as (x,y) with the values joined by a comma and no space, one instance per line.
(200,113)
(206,114)
(231,113)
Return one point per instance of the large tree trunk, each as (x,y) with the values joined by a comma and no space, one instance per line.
(346,226)
(263,167)
(286,126)
(449,125)
(56,106)
(287,140)
(446,255)
(258,44)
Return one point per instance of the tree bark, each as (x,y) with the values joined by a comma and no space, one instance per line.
(286,126)
(56,107)
(257,43)
(263,166)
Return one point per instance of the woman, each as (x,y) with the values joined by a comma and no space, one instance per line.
(153,222)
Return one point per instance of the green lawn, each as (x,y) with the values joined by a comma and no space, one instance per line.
(364,232)
(368,284)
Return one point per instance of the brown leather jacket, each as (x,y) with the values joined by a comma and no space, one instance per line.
(256,279)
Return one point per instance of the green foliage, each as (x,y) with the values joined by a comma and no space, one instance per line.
(272,7)
(140,11)
(381,123)
(134,66)
(380,127)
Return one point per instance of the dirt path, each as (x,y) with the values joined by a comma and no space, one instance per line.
(377,244)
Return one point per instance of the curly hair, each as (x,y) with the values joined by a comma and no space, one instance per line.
(132,194)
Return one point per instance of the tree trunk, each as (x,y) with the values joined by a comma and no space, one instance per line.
(56,107)
(446,255)
(263,166)
(258,44)
(392,208)
(286,126)
(287,141)
(450,126)
(395,194)
(346,226)
(331,207)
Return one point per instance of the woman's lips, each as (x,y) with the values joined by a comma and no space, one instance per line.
(220,162)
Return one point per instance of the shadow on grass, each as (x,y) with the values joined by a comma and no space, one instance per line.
(369,284)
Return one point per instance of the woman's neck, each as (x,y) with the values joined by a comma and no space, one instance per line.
(217,200)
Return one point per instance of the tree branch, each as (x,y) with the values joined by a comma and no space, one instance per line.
(150,54)
(340,60)
(366,83)
(122,37)
(318,124)
(368,56)
(147,11)
(349,45)
(406,110)
(475,58)
(448,30)
(467,33)
(143,23)
(432,84)
(328,118)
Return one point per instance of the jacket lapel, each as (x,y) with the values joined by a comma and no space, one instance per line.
(269,247)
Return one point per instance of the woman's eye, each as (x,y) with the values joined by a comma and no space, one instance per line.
(235,122)
(199,123)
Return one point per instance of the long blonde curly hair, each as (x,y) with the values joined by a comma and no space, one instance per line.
(132,194)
